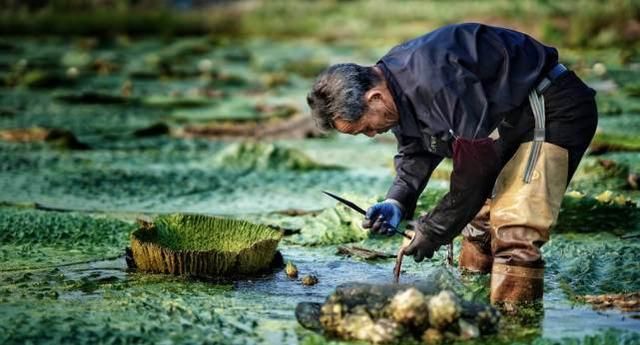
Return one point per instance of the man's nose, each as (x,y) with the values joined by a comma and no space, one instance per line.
(370,133)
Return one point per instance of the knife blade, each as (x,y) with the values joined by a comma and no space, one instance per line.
(360,210)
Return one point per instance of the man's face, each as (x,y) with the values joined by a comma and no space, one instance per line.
(370,124)
(380,116)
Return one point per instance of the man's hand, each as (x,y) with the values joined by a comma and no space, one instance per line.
(420,247)
(382,217)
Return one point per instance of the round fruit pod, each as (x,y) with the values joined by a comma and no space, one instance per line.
(205,246)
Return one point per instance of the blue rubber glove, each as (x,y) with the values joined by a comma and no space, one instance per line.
(382,217)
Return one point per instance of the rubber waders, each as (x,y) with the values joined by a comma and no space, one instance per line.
(521,215)
(475,255)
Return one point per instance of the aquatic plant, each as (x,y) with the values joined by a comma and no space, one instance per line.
(38,78)
(31,226)
(604,212)
(94,97)
(103,302)
(203,246)
(632,89)
(592,264)
(598,174)
(608,106)
(624,76)
(607,142)
(217,104)
(261,156)
(31,238)
(335,225)
(177,101)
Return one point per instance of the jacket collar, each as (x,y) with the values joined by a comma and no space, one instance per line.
(407,124)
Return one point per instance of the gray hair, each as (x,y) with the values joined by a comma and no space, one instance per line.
(339,90)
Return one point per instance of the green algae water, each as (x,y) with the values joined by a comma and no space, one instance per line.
(67,211)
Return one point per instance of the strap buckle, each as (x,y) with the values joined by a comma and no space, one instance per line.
(555,72)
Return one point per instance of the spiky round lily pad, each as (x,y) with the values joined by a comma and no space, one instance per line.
(203,246)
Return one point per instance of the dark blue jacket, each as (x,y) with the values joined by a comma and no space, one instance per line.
(456,82)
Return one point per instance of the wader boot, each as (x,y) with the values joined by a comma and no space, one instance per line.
(475,255)
(528,194)
(521,215)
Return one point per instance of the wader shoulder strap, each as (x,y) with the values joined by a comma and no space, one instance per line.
(537,107)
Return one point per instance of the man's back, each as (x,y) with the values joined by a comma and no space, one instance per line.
(505,64)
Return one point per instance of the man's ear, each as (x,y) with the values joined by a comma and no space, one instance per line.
(373,95)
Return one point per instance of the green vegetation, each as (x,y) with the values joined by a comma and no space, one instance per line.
(32,238)
(336,225)
(204,233)
(262,156)
(584,24)
(606,142)
(126,108)
(596,175)
(203,246)
(605,212)
(594,264)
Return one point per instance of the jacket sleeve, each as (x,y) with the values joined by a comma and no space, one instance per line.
(476,160)
(414,166)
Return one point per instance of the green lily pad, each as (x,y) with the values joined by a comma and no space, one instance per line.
(604,212)
(94,97)
(335,225)
(262,156)
(203,246)
(176,101)
(607,142)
